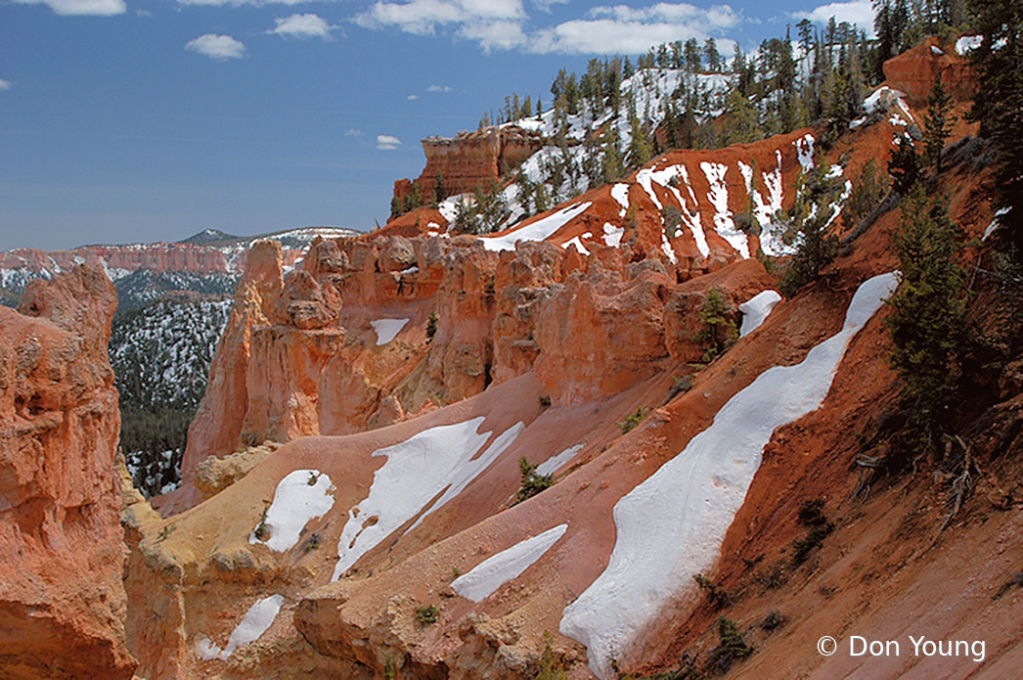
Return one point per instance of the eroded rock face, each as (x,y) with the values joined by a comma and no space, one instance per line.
(914,70)
(62,603)
(602,332)
(470,159)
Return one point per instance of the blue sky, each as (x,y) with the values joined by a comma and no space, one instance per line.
(144,120)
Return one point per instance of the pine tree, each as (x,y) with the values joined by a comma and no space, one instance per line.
(903,165)
(439,191)
(928,320)
(817,194)
(938,123)
(743,124)
(998,102)
(640,149)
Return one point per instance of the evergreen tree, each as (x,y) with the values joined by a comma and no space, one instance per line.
(640,149)
(903,165)
(928,320)
(743,124)
(439,191)
(710,49)
(938,123)
(998,102)
(810,216)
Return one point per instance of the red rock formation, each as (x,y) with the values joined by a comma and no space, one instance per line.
(914,70)
(469,160)
(62,603)
(217,427)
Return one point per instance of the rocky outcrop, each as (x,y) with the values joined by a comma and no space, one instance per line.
(468,160)
(602,332)
(914,71)
(62,603)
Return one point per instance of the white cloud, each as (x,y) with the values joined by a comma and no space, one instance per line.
(545,5)
(503,24)
(492,23)
(352,132)
(302,26)
(387,142)
(857,12)
(238,3)
(412,97)
(439,88)
(4,84)
(217,46)
(99,8)
(626,30)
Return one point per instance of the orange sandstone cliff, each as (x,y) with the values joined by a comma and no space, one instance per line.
(62,602)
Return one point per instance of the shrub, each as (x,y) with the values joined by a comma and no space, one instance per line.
(431,326)
(427,615)
(715,595)
(679,386)
(804,546)
(532,482)
(262,532)
(545,401)
(810,513)
(632,420)
(732,647)
(311,543)
(719,331)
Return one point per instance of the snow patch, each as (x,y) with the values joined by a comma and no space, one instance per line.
(968,43)
(613,235)
(495,571)
(620,192)
(995,223)
(257,620)
(804,150)
(552,464)
(387,329)
(936,51)
(667,249)
(436,461)
(577,242)
(756,309)
(718,197)
(671,526)
(537,231)
(296,502)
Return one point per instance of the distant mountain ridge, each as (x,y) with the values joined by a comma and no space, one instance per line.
(209,262)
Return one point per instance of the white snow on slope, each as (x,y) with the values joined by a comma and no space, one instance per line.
(578,243)
(256,621)
(387,329)
(434,461)
(995,224)
(804,149)
(537,231)
(551,465)
(764,210)
(756,310)
(613,235)
(671,526)
(295,503)
(620,192)
(495,571)
(968,43)
(718,196)
(936,51)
